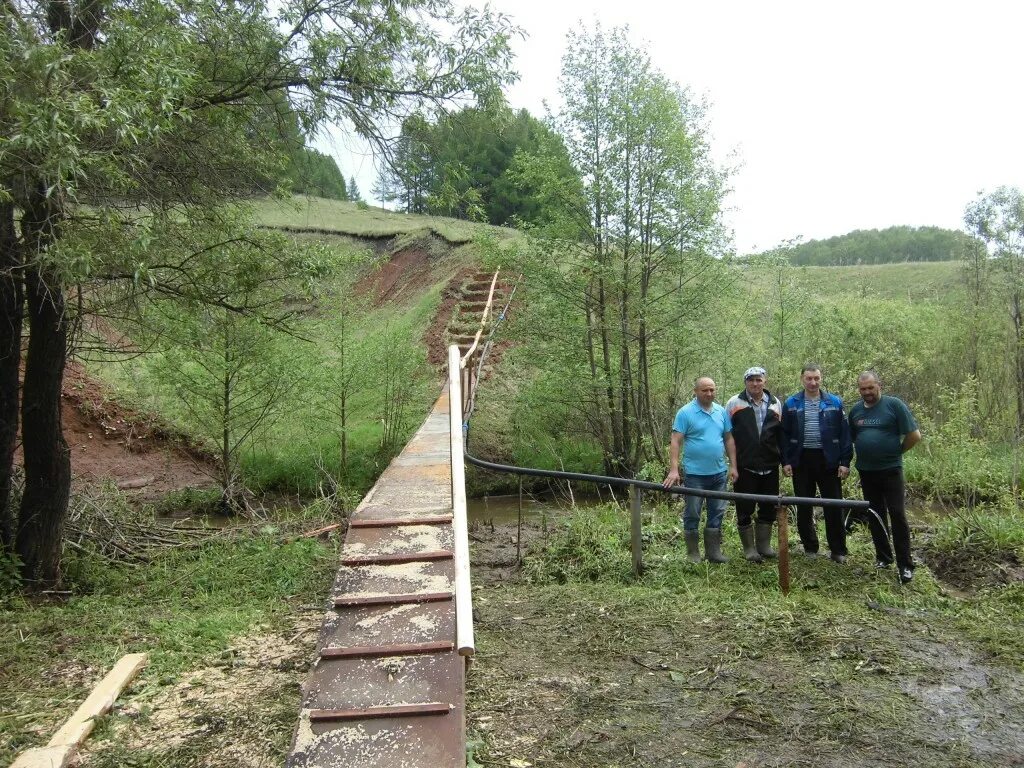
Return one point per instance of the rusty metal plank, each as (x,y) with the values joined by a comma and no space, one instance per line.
(409,539)
(371,713)
(409,509)
(397,558)
(389,522)
(396,579)
(373,624)
(428,597)
(358,683)
(401,742)
(373,651)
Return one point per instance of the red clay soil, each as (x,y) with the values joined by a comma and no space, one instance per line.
(109,442)
(406,272)
(436,335)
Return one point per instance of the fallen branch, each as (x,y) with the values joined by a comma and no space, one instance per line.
(321,531)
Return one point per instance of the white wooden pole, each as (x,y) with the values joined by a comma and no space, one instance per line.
(463,590)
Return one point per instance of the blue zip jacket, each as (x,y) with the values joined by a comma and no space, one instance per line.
(835,430)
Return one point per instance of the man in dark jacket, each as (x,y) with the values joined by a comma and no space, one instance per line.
(756,416)
(816,453)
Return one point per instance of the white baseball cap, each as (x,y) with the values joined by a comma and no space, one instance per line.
(755,371)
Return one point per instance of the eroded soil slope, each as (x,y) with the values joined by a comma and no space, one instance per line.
(111,443)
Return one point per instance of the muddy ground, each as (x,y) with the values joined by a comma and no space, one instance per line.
(111,443)
(581,675)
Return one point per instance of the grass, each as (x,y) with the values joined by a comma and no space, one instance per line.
(299,449)
(581,665)
(594,547)
(938,281)
(350,219)
(185,608)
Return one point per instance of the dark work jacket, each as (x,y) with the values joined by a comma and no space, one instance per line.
(753,451)
(835,430)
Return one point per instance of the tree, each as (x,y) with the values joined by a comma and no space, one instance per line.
(123,118)
(887,246)
(462,165)
(313,173)
(630,253)
(353,191)
(232,361)
(998,219)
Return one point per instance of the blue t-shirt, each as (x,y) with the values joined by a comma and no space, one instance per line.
(703,437)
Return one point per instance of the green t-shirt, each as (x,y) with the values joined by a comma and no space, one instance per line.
(878,432)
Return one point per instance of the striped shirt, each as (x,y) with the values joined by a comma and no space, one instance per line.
(761,411)
(812,430)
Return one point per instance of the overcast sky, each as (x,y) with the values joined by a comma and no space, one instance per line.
(842,116)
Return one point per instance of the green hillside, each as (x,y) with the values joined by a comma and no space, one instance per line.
(938,281)
(358,344)
(346,218)
(887,246)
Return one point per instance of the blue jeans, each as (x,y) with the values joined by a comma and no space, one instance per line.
(692,504)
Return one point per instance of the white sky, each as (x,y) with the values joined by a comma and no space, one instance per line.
(843,116)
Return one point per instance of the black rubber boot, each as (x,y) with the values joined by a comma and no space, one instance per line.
(692,546)
(747,540)
(713,546)
(763,535)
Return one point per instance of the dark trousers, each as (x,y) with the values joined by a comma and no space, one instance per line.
(884,491)
(750,482)
(809,478)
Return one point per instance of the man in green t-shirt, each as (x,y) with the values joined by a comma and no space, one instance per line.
(883,429)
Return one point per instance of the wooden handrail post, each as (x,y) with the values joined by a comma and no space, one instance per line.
(782,515)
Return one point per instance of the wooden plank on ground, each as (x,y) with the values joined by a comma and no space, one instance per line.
(60,749)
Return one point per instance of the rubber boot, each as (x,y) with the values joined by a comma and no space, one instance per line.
(747,540)
(692,546)
(763,535)
(713,546)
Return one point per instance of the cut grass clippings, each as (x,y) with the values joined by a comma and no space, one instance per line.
(188,608)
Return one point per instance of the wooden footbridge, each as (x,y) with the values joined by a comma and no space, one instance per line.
(388,687)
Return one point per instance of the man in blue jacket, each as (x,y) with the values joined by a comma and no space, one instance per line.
(816,453)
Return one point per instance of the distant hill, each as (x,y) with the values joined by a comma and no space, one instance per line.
(887,246)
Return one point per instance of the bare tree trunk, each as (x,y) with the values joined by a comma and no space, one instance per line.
(11,308)
(614,418)
(344,435)
(44,504)
(606,447)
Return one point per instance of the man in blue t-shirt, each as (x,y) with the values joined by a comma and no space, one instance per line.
(703,428)
(883,429)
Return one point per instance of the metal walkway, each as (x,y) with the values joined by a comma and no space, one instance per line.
(388,686)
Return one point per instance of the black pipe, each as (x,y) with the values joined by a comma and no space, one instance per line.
(623,482)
